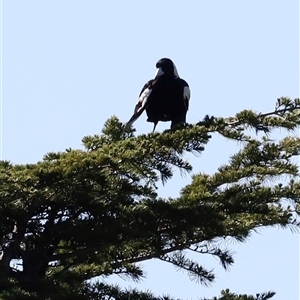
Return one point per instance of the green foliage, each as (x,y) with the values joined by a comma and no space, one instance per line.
(79,214)
(227,295)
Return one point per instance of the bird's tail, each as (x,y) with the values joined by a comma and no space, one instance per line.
(134,117)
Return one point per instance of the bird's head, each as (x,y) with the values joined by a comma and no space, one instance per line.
(165,66)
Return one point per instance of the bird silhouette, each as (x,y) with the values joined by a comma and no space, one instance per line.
(165,98)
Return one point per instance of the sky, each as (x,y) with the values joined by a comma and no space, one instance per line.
(68,66)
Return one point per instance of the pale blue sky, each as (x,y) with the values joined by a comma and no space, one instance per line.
(67,66)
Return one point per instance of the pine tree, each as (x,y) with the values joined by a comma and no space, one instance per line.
(78,214)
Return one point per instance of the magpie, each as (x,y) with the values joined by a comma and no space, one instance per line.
(165,98)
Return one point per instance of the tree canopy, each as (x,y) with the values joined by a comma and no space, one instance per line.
(94,212)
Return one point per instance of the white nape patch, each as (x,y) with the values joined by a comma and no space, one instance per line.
(158,73)
(144,98)
(186,93)
(175,71)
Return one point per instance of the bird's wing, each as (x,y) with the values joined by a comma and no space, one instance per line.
(143,97)
(142,102)
(186,95)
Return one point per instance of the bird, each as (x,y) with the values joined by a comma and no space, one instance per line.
(165,98)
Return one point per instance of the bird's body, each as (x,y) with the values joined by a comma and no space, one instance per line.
(165,98)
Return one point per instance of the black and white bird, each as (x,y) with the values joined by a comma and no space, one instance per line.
(165,98)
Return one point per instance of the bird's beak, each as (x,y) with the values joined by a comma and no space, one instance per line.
(158,73)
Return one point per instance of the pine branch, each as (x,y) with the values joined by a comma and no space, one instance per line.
(195,271)
(227,295)
(225,256)
(288,106)
(286,109)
